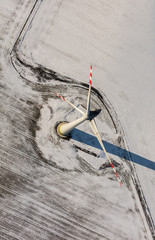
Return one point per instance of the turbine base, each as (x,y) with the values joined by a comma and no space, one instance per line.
(58,130)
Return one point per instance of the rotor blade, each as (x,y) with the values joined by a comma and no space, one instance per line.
(89,93)
(70,103)
(96,132)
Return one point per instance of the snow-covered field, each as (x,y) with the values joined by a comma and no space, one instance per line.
(62,189)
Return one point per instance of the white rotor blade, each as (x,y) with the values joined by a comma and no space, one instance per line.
(70,103)
(89,93)
(96,132)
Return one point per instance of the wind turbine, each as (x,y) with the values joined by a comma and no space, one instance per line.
(65,128)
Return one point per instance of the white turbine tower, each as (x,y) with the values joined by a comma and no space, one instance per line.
(65,128)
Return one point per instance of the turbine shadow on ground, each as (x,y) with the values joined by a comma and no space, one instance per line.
(91,140)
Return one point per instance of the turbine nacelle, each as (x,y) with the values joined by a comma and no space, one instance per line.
(94,113)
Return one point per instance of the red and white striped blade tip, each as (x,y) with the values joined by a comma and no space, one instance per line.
(90,80)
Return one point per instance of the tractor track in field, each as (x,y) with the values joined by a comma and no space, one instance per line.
(61,217)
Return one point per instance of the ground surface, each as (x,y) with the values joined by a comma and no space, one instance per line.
(56,189)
